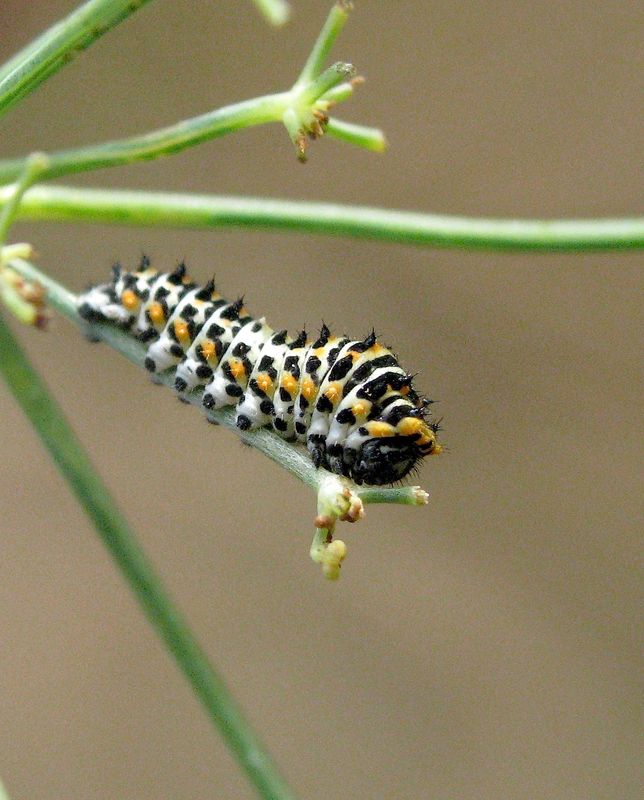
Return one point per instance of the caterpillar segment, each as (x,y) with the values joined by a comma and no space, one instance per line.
(353,357)
(119,299)
(319,359)
(210,344)
(288,386)
(349,401)
(359,403)
(188,318)
(233,373)
(158,304)
(256,408)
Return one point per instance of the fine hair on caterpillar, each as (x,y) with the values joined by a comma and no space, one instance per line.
(349,401)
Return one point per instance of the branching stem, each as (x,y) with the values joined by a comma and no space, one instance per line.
(165,141)
(303,101)
(35,165)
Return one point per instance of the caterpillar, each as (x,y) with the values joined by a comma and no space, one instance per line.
(348,400)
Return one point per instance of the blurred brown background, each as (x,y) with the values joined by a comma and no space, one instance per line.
(484,647)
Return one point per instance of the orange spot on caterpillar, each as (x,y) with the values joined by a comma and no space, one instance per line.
(309,389)
(428,443)
(380,429)
(237,369)
(360,409)
(408,426)
(208,349)
(129,300)
(156,314)
(264,382)
(289,383)
(334,392)
(182,332)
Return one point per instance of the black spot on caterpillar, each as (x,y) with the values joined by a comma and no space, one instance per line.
(348,400)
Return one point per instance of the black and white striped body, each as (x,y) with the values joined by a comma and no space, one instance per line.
(348,400)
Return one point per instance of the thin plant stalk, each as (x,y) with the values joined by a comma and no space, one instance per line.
(58,45)
(186,133)
(165,209)
(162,142)
(49,422)
(358,135)
(306,98)
(323,44)
(23,300)
(34,165)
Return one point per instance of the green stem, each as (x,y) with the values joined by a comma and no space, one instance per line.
(400,495)
(122,207)
(59,45)
(341,93)
(301,99)
(34,166)
(164,141)
(48,420)
(367,138)
(326,82)
(189,132)
(322,47)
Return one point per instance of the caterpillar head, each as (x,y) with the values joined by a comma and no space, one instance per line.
(385,459)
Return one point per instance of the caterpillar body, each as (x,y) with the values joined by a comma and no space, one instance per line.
(348,400)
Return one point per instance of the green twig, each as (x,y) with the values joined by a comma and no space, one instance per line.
(367,138)
(303,102)
(58,437)
(24,301)
(322,47)
(164,141)
(35,164)
(59,45)
(169,140)
(152,209)
(327,81)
